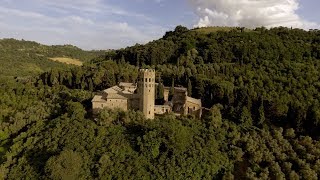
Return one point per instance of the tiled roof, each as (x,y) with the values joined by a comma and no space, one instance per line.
(124,84)
(98,98)
(114,89)
(127,92)
(115,96)
(193,100)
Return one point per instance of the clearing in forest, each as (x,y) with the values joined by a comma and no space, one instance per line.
(66,60)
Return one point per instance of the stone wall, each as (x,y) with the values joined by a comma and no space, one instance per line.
(193,107)
(117,104)
(162,109)
(178,101)
(166,92)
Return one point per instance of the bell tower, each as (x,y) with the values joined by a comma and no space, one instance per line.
(146,91)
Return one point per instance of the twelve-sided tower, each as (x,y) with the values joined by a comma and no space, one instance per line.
(146,90)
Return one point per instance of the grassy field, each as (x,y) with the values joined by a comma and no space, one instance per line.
(19,58)
(66,60)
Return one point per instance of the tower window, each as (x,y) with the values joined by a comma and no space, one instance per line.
(146,79)
(149,79)
(149,112)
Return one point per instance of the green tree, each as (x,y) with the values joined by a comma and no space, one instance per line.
(75,110)
(189,88)
(171,91)
(245,118)
(160,91)
(67,165)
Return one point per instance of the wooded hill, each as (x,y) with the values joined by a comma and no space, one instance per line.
(261,86)
(276,69)
(25,58)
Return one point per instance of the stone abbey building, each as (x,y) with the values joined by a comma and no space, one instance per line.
(141,96)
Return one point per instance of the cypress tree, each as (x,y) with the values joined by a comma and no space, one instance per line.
(160,91)
(171,92)
(189,88)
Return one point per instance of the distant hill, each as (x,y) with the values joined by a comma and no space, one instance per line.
(25,58)
(207,30)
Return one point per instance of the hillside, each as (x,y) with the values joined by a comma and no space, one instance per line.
(260,87)
(208,30)
(26,58)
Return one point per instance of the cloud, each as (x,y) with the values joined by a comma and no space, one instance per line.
(87,24)
(249,13)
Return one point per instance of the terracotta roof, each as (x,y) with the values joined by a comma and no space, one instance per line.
(127,92)
(98,98)
(113,90)
(124,84)
(193,100)
(115,96)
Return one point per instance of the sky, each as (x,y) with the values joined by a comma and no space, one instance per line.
(113,24)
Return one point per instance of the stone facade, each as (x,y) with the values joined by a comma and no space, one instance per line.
(146,91)
(141,96)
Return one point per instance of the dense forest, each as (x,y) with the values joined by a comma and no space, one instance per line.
(260,89)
